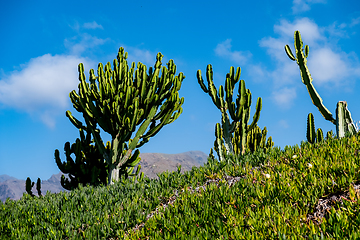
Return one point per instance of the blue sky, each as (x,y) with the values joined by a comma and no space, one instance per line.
(44,41)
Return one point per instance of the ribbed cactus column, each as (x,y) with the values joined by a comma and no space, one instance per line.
(120,99)
(343,119)
(239,112)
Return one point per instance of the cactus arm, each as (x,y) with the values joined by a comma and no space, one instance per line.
(256,116)
(289,53)
(218,144)
(201,82)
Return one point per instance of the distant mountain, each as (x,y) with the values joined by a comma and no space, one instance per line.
(154,163)
(14,188)
(5,177)
(151,165)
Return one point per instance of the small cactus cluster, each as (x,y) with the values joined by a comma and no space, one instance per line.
(29,185)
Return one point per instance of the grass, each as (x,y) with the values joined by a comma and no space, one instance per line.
(306,192)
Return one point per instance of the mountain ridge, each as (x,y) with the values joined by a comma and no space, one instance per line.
(151,164)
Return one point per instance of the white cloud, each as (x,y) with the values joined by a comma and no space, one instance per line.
(328,66)
(284,97)
(42,87)
(92,25)
(310,31)
(283,124)
(304,5)
(139,55)
(81,43)
(224,50)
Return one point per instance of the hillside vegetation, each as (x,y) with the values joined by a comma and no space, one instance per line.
(306,192)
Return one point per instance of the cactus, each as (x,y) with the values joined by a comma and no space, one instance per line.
(310,132)
(226,142)
(313,137)
(256,139)
(29,185)
(319,135)
(329,134)
(343,119)
(120,99)
(89,166)
(38,187)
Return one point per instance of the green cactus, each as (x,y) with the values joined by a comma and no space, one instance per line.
(120,99)
(329,134)
(310,132)
(256,139)
(313,137)
(89,165)
(343,119)
(319,135)
(226,142)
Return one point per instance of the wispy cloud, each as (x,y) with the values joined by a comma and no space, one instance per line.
(304,5)
(88,25)
(355,21)
(224,50)
(79,44)
(284,97)
(92,25)
(283,124)
(42,86)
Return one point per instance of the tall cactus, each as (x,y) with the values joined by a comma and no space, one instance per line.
(120,99)
(239,112)
(343,119)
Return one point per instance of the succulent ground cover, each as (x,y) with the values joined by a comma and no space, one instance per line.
(306,192)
